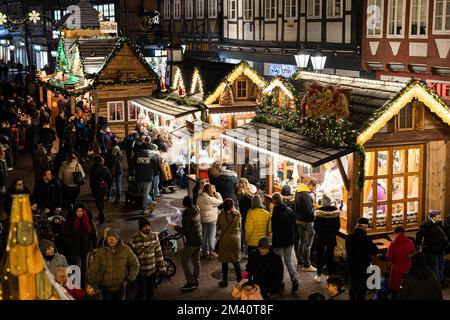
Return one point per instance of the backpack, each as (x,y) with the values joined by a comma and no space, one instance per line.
(103,188)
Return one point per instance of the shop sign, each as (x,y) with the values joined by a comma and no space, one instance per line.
(280,70)
(108,27)
(441,89)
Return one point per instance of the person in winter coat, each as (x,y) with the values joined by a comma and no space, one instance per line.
(70,189)
(61,278)
(144,166)
(145,245)
(265,269)
(214,172)
(48,192)
(208,202)
(115,159)
(198,189)
(246,290)
(420,283)
(191,228)
(60,124)
(93,292)
(335,288)
(113,267)
(258,224)
(81,237)
(100,181)
(17,187)
(326,225)
(229,224)
(41,161)
(304,210)
(46,137)
(399,254)
(41,224)
(359,249)
(82,139)
(431,238)
(283,232)
(58,228)
(157,171)
(53,259)
(244,196)
(227,183)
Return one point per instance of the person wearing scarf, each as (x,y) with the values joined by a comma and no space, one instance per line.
(81,238)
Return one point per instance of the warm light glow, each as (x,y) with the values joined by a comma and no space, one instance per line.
(277,83)
(166,116)
(416,91)
(196,80)
(241,69)
(177,78)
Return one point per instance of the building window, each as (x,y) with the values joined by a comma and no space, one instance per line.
(107,10)
(270,9)
(231,9)
(133,111)
(291,9)
(419,17)
(396,17)
(411,117)
(212,8)
(189,8)
(166,9)
(57,15)
(116,111)
(200,8)
(177,9)
(442,16)
(334,8)
(242,88)
(374,24)
(248,10)
(314,8)
(392,189)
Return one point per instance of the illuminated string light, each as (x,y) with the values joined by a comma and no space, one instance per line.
(279,84)
(196,80)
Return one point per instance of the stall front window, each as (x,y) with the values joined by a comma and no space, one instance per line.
(116,111)
(242,88)
(282,100)
(223,121)
(393,186)
(133,111)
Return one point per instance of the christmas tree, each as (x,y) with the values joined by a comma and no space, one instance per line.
(76,67)
(62,64)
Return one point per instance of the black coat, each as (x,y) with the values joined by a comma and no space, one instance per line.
(420,284)
(46,137)
(283,226)
(144,166)
(245,203)
(432,237)
(304,206)
(60,125)
(97,173)
(191,227)
(49,195)
(79,242)
(266,271)
(226,185)
(359,248)
(327,225)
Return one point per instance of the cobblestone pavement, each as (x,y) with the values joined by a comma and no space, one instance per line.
(125,219)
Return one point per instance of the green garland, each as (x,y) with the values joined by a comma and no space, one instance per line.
(158,94)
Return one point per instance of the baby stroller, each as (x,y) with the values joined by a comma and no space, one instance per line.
(168,243)
(133,194)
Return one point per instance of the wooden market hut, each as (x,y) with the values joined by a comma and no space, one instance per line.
(229,92)
(402,131)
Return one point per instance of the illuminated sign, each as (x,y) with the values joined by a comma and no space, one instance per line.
(280,70)
(108,27)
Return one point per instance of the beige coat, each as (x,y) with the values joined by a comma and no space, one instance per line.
(208,207)
(66,172)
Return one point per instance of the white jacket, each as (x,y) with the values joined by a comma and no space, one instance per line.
(208,207)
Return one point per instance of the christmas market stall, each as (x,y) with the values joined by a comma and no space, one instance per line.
(378,149)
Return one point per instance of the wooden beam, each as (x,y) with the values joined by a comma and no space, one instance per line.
(343,174)
(447,180)
(385,138)
(354,194)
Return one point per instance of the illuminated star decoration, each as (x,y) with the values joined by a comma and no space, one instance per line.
(34,16)
(3,18)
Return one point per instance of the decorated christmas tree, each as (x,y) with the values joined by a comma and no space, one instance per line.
(62,64)
(226,98)
(76,68)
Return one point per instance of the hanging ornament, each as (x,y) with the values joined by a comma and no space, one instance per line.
(3,18)
(34,16)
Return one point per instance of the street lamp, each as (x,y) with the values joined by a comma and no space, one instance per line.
(302,59)
(318,61)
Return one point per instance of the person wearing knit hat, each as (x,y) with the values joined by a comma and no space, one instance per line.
(257,224)
(92,291)
(360,250)
(113,233)
(53,259)
(145,245)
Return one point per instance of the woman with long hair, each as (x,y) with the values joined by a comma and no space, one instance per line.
(244,196)
(214,172)
(71,190)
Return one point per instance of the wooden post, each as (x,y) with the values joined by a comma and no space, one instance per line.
(343,174)
(72,105)
(354,194)
(269,181)
(41,94)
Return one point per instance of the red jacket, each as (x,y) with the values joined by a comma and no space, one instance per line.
(399,255)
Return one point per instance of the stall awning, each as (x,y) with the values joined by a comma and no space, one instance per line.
(290,145)
(202,131)
(164,107)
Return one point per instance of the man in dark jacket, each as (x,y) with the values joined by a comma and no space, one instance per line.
(60,124)
(265,268)
(144,166)
(283,232)
(359,251)
(191,228)
(46,137)
(326,225)
(227,183)
(432,240)
(114,160)
(48,193)
(304,210)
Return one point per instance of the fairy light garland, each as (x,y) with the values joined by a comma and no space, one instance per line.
(196,80)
